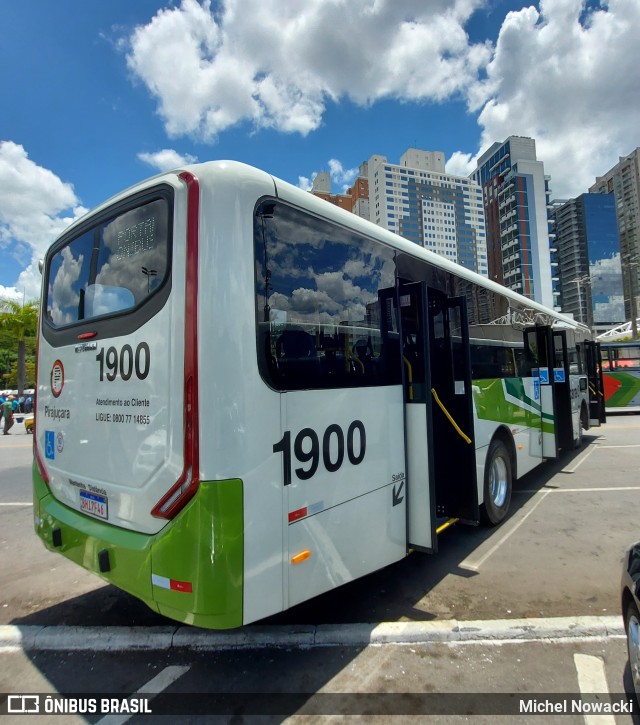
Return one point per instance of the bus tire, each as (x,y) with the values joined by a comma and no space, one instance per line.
(582,426)
(498,482)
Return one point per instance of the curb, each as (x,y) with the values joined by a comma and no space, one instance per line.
(97,639)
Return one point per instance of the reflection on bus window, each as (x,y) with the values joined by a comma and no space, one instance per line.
(324,304)
(111,267)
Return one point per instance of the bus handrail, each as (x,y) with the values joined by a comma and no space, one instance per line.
(409,376)
(451,420)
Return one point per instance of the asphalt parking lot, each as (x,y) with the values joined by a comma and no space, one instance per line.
(556,559)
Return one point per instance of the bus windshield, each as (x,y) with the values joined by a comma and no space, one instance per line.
(110,267)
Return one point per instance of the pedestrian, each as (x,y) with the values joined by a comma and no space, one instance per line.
(7,415)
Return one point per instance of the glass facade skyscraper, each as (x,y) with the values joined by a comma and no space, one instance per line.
(589,260)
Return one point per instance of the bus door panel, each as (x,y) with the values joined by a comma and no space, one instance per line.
(440,462)
(421,518)
(541,340)
(593,355)
(562,391)
(451,405)
(529,372)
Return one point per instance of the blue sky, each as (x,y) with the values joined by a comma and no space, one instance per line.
(97,96)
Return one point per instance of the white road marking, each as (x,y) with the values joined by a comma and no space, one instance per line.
(600,489)
(155,686)
(581,460)
(476,561)
(592,680)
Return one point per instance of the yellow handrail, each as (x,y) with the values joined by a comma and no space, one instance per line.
(409,376)
(595,392)
(446,525)
(451,420)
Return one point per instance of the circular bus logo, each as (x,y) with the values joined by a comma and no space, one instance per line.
(57,378)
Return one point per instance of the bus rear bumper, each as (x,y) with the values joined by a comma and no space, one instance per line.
(190,571)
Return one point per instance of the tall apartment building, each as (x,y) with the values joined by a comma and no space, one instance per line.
(322,187)
(623,181)
(516,198)
(590,275)
(355,199)
(418,200)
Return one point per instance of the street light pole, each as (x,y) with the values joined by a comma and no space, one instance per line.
(630,261)
(579,281)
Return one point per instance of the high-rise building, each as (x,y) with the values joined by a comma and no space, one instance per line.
(322,187)
(516,191)
(418,200)
(623,181)
(590,275)
(359,193)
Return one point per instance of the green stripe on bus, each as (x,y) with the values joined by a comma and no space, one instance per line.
(629,388)
(491,403)
(203,548)
(206,547)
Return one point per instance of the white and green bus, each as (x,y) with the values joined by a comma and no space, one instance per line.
(248,397)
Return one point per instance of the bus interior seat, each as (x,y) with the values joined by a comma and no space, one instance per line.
(296,356)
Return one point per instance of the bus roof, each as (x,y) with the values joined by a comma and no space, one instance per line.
(296,196)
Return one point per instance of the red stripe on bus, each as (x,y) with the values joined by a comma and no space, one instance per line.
(191,464)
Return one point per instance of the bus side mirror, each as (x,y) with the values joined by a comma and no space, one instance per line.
(40,265)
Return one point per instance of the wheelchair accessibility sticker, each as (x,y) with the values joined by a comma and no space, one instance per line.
(50,444)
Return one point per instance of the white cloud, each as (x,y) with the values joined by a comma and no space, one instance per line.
(167,159)
(35,207)
(461,164)
(340,175)
(563,74)
(305,183)
(344,178)
(275,63)
(570,80)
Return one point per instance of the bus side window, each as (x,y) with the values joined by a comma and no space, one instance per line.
(296,357)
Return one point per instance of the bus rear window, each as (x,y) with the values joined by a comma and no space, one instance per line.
(111,267)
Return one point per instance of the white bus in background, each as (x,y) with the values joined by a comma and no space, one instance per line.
(247,397)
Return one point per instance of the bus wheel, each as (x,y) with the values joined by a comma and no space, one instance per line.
(497,484)
(582,425)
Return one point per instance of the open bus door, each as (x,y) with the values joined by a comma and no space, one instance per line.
(441,465)
(538,339)
(562,391)
(593,359)
(550,347)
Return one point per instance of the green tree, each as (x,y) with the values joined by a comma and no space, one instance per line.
(19,323)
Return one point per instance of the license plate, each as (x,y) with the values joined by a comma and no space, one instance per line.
(94,504)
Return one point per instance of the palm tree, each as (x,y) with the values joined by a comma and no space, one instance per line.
(19,321)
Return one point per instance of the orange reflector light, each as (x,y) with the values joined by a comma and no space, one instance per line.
(302,556)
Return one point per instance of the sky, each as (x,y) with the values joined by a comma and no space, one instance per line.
(96,97)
